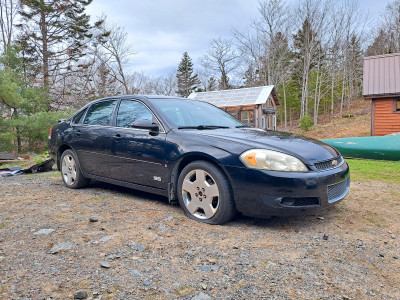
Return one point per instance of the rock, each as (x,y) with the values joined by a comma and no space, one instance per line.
(206,268)
(82,294)
(44,231)
(325,237)
(94,219)
(63,205)
(135,273)
(162,227)
(105,264)
(381,255)
(61,247)
(106,238)
(344,297)
(138,247)
(113,256)
(212,261)
(167,219)
(147,283)
(393,236)
(204,286)
(321,218)
(201,296)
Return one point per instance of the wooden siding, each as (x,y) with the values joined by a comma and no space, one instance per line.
(384,119)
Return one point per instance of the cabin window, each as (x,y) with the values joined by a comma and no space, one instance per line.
(396,106)
(246,117)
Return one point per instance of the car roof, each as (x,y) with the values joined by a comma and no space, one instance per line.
(150,97)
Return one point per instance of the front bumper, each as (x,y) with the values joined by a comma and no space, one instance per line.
(271,193)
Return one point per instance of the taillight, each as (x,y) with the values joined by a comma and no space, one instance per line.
(50,132)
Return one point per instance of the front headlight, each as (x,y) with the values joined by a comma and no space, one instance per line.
(263,159)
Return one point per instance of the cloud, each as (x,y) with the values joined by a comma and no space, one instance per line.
(161,30)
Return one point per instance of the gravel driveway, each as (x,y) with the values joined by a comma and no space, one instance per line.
(114,243)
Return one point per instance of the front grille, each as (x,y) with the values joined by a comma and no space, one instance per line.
(303,201)
(338,191)
(327,164)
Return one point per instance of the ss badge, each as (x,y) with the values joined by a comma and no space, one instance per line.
(157,178)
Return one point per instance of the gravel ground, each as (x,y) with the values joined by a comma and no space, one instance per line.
(114,243)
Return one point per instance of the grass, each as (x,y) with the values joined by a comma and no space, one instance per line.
(2,225)
(364,170)
(13,164)
(33,160)
(184,290)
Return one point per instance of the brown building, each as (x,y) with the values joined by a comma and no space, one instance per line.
(381,85)
(254,106)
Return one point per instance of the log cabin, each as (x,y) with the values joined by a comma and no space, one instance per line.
(256,106)
(381,85)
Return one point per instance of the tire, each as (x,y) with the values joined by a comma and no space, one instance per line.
(71,172)
(205,193)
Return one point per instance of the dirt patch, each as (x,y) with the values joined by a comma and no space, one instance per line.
(355,121)
(154,252)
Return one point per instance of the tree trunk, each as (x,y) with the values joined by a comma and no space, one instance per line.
(316,96)
(342,98)
(45,60)
(332,92)
(284,103)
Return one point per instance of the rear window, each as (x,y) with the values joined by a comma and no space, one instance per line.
(77,118)
(100,113)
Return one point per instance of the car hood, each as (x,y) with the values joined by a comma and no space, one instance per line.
(307,149)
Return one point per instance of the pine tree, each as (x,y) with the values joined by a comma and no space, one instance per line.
(56,32)
(187,81)
(21,99)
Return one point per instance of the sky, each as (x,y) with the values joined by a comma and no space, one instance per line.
(160,31)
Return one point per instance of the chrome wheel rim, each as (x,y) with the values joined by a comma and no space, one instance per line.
(68,169)
(200,194)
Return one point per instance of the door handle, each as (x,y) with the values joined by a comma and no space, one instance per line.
(78,132)
(117,136)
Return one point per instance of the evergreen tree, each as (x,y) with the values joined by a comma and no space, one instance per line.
(22,101)
(187,81)
(55,32)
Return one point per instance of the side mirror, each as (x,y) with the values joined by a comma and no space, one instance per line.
(145,124)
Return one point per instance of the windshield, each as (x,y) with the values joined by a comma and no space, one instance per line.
(196,114)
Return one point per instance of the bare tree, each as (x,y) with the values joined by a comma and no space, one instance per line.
(313,16)
(221,58)
(391,22)
(262,48)
(8,11)
(117,53)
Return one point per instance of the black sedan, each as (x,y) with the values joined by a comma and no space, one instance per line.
(199,155)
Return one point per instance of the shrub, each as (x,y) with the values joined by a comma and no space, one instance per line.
(306,123)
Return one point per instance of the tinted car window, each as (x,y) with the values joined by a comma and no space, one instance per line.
(130,111)
(76,119)
(100,113)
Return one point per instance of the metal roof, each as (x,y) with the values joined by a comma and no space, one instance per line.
(237,97)
(381,76)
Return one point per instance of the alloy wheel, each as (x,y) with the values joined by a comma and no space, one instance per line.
(68,169)
(200,194)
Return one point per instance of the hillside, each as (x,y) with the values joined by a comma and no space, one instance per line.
(356,121)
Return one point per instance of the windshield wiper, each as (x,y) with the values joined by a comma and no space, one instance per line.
(202,127)
(242,126)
